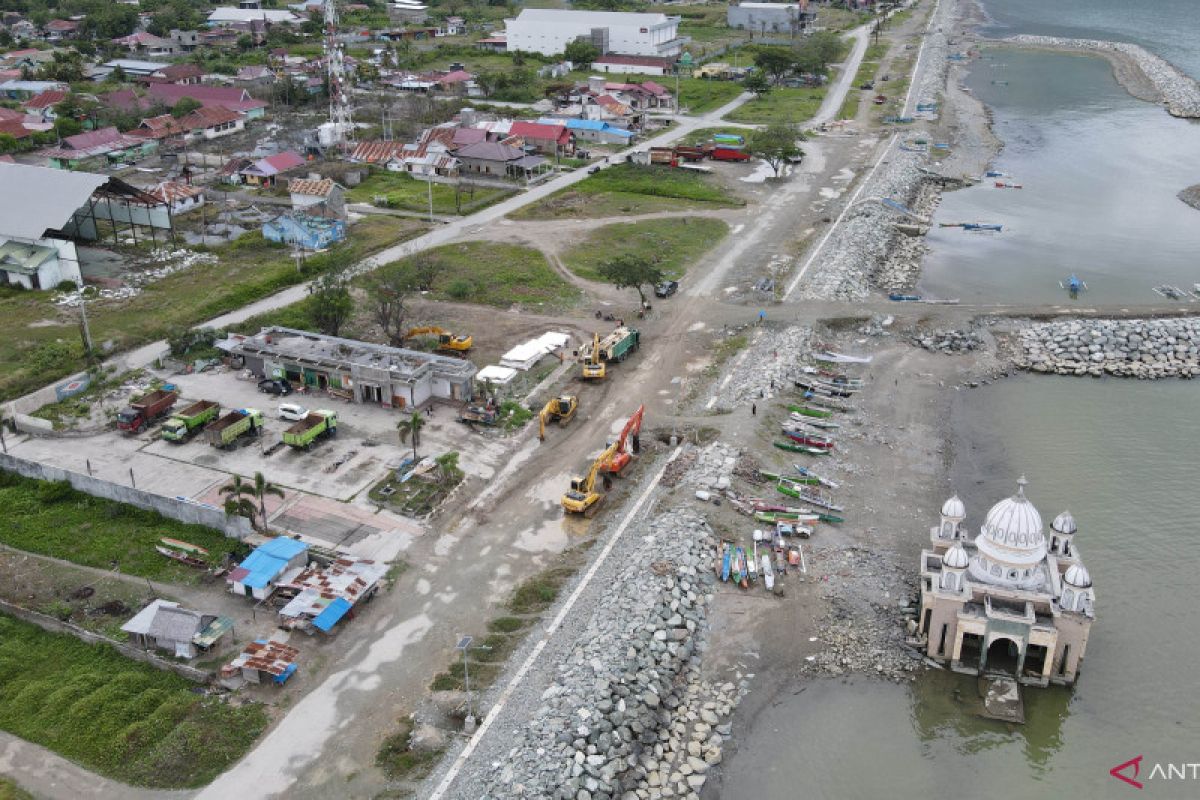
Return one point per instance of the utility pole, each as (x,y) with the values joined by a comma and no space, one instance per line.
(429,185)
(87,331)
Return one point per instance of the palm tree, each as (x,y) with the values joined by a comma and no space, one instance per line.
(262,488)
(411,427)
(250,499)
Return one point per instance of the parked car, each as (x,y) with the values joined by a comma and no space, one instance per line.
(593,170)
(867,85)
(666,288)
(292,412)
(275,386)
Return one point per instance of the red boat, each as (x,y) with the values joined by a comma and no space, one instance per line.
(809,439)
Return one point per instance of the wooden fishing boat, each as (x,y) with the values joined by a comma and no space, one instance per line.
(813,422)
(809,439)
(186,547)
(767,572)
(808,473)
(827,389)
(775,476)
(726,562)
(181,557)
(817,498)
(805,411)
(799,448)
(824,402)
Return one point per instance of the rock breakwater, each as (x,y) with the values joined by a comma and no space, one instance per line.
(627,715)
(1177,91)
(1136,348)
(1191,196)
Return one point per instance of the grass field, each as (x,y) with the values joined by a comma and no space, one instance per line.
(677,241)
(501,275)
(10,791)
(794,106)
(409,194)
(42,345)
(53,519)
(119,717)
(627,189)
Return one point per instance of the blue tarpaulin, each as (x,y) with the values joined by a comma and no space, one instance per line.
(332,613)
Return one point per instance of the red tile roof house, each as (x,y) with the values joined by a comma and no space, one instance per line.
(266,171)
(550,140)
(43,104)
(203,123)
(105,142)
(180,197)
(234,99)
(57,29)
(179,74)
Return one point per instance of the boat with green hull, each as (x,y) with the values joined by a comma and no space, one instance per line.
(810,412)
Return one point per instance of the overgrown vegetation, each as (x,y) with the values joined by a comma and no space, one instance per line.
(402,191)
(52,518)
(674,243)
(10,791)
(399,761)
(121,718)
(63,413)
(420,494)
(497,274)
(627,189)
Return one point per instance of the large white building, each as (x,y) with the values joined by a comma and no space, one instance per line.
(549,31)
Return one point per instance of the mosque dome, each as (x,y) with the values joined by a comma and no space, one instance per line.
(956,557)
(1014,523)
(954,508)
(1078,577)
(1064,523)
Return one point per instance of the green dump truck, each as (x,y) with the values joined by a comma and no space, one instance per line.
(619,344)
(185,424)
(234,425)
(307,431)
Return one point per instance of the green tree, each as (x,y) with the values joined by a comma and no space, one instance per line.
(66,126)
(632,272)
(66,66)
(388,289)
(776,144)
(581,52)
(775,62)
(185,106)
(410,428)
(758,83)
(330,303)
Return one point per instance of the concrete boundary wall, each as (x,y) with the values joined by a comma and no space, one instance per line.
(180,509)
(52,625)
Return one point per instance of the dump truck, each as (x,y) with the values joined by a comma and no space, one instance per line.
(234,425)
(143,411)
(688,153)
(619,344)
(729,154)
(478,415)
(307,431)
(185,424)
(662,155)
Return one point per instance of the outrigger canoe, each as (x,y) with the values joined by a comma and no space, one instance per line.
(791,447)
(810,412)
(808,473)
(810,480)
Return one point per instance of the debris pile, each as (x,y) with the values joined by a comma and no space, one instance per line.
(949,341)
(170,261)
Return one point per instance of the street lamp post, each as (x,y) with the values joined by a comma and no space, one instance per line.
(463,644)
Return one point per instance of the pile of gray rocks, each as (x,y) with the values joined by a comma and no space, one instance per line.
(1180,93)
(773,362)
(713,467)
(949,341)
(1136,348)
(627,714)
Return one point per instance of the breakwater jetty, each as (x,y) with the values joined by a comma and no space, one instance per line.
(1135,348)
(1178,92)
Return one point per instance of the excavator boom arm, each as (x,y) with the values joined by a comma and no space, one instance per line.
(589,483)
(634,426)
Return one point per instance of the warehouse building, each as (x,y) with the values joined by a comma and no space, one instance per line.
(549,30)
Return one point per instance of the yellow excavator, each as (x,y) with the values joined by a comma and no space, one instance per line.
(582,498)
(446,340)
(558,408)
(593,364)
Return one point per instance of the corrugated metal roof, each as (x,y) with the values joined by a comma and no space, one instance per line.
(267,562)
(317,188)
(175,624)
(331,615)
(47,198)
(376,152)
(140,624)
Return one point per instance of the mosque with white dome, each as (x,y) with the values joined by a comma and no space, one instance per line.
(1006,601)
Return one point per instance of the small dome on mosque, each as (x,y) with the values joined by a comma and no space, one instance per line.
(954,508)
(1014,522)
(956,557)
(1064,523)
(1078,577)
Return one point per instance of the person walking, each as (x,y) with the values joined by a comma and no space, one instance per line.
(753,410)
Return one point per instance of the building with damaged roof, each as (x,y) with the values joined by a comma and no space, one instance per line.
(392,377)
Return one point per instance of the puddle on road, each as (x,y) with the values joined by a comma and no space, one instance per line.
(830,193)
(549,492)
(551,536)
(844,174)
(696,326)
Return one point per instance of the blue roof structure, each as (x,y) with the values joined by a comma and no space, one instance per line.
(332,613)
(268,560)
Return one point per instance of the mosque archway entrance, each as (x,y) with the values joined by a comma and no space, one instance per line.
(1003,656)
